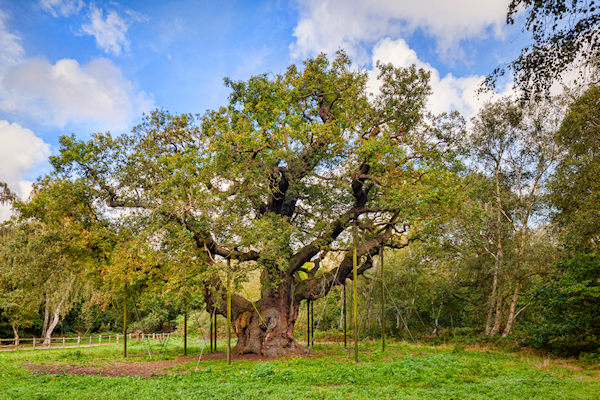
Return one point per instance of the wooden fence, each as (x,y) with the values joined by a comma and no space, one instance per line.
(76,341)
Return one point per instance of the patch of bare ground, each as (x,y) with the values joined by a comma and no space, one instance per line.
(144,369)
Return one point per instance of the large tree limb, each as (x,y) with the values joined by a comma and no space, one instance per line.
(315,288)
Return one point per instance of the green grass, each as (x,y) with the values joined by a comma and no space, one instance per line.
(405,371)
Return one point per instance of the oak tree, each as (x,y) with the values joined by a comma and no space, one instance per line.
(277,180)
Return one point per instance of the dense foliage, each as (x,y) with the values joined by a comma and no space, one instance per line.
(488,229)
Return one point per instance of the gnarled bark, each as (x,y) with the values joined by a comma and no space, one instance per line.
(268,330)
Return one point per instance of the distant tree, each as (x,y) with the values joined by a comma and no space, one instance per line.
(565,36)
(567,300)
(575,184)
(276,180)
(515,147)
(66,239)
(20,283)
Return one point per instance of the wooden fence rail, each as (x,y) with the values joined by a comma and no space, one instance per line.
(76,341)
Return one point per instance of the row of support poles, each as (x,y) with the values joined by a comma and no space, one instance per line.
(310,323)
(381,267)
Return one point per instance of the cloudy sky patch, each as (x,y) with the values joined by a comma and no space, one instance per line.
(78,66)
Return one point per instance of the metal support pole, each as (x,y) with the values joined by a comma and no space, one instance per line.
(312,322)
(215,326)
(228,312)
(344,308)
(355,294)
(307,323)
(125,323)
(185,333)
(382,302)
(210,329)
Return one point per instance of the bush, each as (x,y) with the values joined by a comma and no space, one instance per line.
(567,307)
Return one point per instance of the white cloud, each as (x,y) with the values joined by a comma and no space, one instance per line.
(327,25)
(20,151)
(110,32)
(62,8)
(11,50)
(70,92)
(66,92)
(449,92)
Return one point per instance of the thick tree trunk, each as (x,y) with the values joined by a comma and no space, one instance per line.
(266,327)
(268,330)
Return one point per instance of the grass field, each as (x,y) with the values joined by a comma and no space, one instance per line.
(404,371)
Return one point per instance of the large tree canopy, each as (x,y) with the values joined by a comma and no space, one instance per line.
(277,180)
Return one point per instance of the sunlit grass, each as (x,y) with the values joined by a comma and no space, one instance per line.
(404,371)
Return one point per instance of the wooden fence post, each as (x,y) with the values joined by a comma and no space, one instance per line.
(99,339)
(63,341)
(78,340)
(34,343)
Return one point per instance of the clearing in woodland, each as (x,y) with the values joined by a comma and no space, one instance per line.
(406,371)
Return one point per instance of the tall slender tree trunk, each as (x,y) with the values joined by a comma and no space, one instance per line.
(511,312)
(56,313)
(497,318)
(494,300)
(54,322)
(15,329)
(46,316)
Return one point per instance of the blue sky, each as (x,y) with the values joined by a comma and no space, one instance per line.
(79,66)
